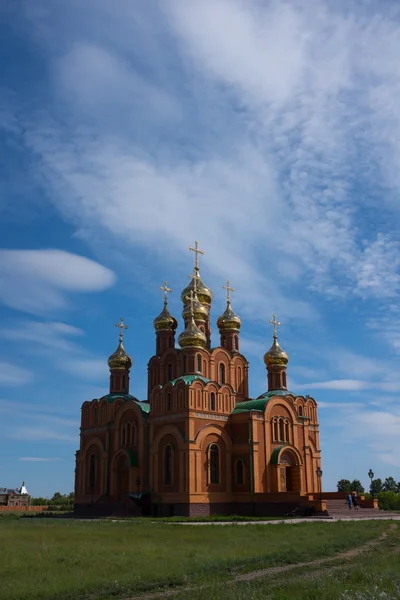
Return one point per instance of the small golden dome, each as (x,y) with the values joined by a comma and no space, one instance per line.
(120,360)
(197,285)
(200,312)
(165,321)
(192,336)
(275,355)
(228,319)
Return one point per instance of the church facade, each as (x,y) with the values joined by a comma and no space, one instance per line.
(198,444)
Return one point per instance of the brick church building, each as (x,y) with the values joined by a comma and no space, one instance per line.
(198,444)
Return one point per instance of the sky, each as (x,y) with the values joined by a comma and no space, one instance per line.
(267,130)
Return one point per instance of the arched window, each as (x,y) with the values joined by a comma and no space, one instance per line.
(133,434)
(169,401)
(214,464)
(284,379)
(212,401)
(171,342)
(235,342)
(184,364)
(112,383)
(128,434)
(300,410)
(275,429)
(281,430)
(169,372)
(221,373)
(123,381)
(198,363)
(168,465)
(92,471)
(239,472)
(286,431)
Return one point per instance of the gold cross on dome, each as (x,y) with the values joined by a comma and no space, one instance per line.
(191,301)
(165,289)
(121,327)
(195,279)
(228,290)
(197,251)
(274,322)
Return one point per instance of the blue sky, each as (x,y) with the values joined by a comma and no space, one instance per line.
(269,131)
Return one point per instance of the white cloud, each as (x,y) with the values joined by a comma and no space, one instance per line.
(36,281)
(336,384)
(13,375)
(49,334)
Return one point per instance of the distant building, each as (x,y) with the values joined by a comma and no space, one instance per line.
(198,444)
(14,497)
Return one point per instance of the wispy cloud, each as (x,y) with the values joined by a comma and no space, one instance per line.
(351,385)
(13,375)
(49,275)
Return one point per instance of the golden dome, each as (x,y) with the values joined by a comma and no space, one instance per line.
(228,319)
(200,312)
(165,321)
(197,285)
(275,355)
(192,336)
(120,360)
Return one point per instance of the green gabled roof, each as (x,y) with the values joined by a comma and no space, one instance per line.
(188,379)
(275,393)
(275,454)
(143,405)
(260,402)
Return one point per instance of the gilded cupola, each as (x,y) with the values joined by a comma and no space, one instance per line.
(192,335)
(229,319)
(200,312)
(120,359)
(275,355)
(165,321)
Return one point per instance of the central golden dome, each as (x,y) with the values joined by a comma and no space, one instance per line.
(197,285)
(200,312)
(192,336)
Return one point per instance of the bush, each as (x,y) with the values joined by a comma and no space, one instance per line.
(389,501)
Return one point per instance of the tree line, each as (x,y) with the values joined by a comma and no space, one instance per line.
(57,502)
(387,492)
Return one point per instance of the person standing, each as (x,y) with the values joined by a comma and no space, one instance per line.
(349,501)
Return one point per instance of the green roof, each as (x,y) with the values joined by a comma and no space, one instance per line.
(144,406)
(275,393)
(259,403)
(275,454)
(188,379)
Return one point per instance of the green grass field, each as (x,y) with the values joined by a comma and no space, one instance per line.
(97,560)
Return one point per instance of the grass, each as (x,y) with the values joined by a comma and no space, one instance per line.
(372,575)
(44,559)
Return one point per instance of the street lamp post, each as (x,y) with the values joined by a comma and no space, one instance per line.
(319,475)
(371,476)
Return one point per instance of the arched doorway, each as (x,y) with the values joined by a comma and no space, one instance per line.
(122,475)
(286,472)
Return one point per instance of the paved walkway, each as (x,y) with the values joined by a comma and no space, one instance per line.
(385,517)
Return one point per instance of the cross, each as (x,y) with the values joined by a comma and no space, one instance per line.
(121,327)
(228,290)
(195,278)
(197,252)
(191,300)
(165,289)
(274,322)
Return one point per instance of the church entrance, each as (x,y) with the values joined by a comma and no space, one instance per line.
(289,473)
(122,476)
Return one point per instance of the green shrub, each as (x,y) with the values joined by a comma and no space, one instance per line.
(389,501)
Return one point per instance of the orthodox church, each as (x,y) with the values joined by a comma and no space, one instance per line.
(198,444)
